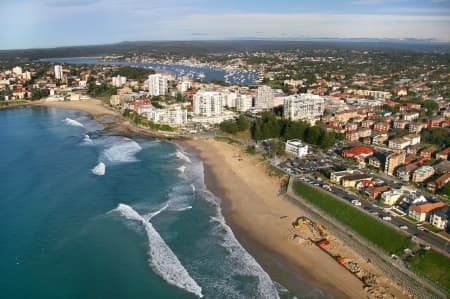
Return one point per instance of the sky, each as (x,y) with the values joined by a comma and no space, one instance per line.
(54,23)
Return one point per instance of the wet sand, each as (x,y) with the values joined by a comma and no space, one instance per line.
(256,215)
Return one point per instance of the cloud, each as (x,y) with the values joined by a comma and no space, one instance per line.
(316,25)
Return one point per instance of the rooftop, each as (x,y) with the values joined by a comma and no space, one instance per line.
(428,207)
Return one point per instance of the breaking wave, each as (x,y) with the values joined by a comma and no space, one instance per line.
(161,258)
(99,169)
(182,156)
(87,139)
(123,150)
(72,122)
(240,260)
(181,169)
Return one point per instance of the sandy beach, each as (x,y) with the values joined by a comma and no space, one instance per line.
(259,217)
(261,220)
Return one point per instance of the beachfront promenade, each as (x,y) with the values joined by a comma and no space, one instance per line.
(416,286)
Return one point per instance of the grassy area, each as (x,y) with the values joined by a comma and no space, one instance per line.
(435,265)
(431,228)
(386,237)
(11,103)
(410,219)
(273,171)
(226,139)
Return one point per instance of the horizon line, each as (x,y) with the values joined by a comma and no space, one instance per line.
(241,39)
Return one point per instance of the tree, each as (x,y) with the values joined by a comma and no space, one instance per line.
(242,123)
(276,148)
(229,126)
(446,190)
(431,106)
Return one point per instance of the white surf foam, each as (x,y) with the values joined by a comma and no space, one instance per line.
(242,262)
(181,209)
(123,150)
(72,122)
(87,139)
(161,258)
(182,156)
(99,169)
(181,169)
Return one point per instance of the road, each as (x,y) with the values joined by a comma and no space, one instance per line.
(424,237)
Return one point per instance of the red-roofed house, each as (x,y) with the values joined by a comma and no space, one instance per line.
(358,150)
(443,155)
(421,212)
(374,192)
(439,182)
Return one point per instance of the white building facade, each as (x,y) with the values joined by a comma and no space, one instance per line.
(59,74)
(303,107)
(296,147)
(208,103)
(119,81)
(244,103)
(157,84)
(264,98)
(172,116)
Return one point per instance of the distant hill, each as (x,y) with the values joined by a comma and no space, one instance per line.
(223,46)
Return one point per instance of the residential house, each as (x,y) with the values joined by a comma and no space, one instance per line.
(398,143)
(381,127)
(422,173)
(440,218)
(374,162)
(427,153)
(421,212)
(443,155)
(352,136)
(439,182)
(390,197)
(404,172)
(374,192)
(337,176)
(380,139)
(394,160)
(350,181)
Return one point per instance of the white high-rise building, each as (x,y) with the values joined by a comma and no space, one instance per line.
(184,85)
(17,70)
(303,106)
(173,116)
(229,99)
(119,81)
(208,103)
(59,72)
(244,102)
(26,75)
(157,85)
(264,98)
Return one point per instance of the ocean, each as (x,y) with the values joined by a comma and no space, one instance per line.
(84,214)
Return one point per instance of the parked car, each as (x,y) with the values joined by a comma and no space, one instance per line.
(356,202)
(386,218)
(404,227)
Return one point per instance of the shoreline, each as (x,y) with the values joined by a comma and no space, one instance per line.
(111,120)
(264,234)
(258,220)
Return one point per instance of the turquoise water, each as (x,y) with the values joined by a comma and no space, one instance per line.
(146,227)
